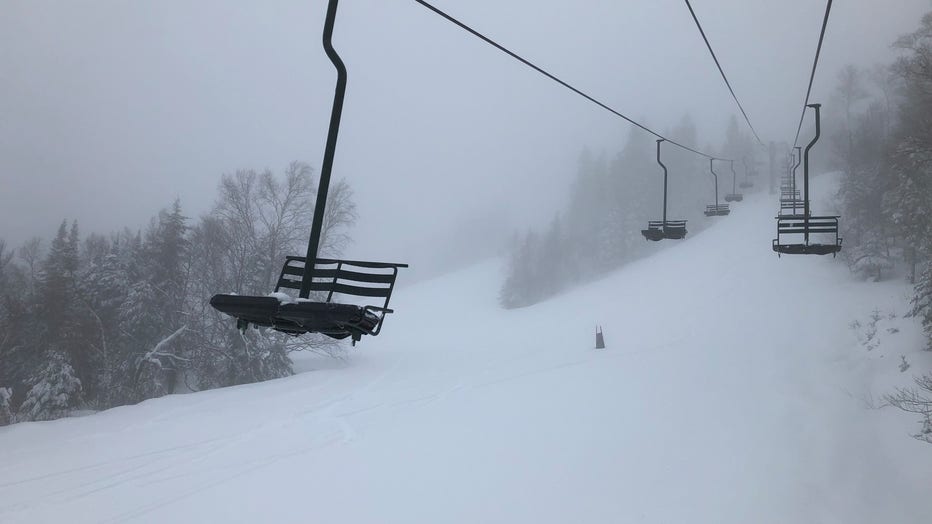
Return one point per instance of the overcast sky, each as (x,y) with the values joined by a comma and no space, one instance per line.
(111,109)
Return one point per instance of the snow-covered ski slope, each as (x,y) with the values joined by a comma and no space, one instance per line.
(733,389)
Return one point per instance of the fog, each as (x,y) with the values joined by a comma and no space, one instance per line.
(109,110)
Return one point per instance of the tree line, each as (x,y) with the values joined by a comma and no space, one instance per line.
(101,321)
(882,144)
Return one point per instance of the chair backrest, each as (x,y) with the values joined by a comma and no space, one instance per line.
(674,229)
(670,224)
(348,277)
(792,203)
(798,224)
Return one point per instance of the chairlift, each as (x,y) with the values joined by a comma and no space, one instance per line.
(734,196)
(661,229)
(788,180)
(806,224)
(790,201)
(320,312)
(715,210)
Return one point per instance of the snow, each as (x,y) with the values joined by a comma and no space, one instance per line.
(735,387)
(283,298)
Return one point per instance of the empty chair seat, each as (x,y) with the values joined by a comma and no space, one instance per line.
(659,230)
(824,227)
(734,197)
(321,314)
(296,318)
(717,210)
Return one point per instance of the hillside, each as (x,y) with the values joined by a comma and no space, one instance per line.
(735,387)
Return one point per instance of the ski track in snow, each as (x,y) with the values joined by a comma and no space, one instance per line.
(732,390)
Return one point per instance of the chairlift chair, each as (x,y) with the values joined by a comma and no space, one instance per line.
(734,196)
(807,226)
(716,209)
(669,229)
(790,201)
(802,227)
(660,229)
(789,193)
(320,312)
(789,181)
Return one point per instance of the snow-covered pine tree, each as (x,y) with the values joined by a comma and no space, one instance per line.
(55,391)
(104,287)
(910,202)
(59,322)
(519,287)
(6,325)
(553,268)
(922,301)
(587,208)
(56,282)
(20,332)
(860,148)
(869,256)
(153,310)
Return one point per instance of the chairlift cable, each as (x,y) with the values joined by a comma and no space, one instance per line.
(815,63)
(558,80)
(722,71)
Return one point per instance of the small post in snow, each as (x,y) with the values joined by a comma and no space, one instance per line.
(599,340)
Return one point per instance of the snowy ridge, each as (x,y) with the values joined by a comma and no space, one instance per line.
(735,388)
